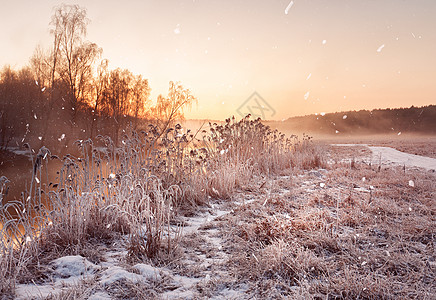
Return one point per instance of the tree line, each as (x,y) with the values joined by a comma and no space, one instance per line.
(377,121)
(68,92)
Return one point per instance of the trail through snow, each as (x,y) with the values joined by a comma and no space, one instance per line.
(388,155)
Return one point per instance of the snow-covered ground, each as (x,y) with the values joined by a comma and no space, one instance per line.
(390,155)
(69,271)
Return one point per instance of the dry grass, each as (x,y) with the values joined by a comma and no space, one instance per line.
(135,190)
(352,231)
(371,239)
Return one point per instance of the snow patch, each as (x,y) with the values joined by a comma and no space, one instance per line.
(116,273)
(100,296)
(73,266)
(147,271)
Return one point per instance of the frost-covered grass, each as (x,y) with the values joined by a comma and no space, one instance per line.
(352,231)
(345,228)
(135,190)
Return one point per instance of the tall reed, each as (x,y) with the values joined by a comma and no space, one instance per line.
(135,188)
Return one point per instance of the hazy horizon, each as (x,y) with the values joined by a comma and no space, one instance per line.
(313,57)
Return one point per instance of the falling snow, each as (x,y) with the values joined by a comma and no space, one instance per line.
(380,48)
(308,76)
(344,117)
(306,96)
(324,42)
(289,7)
(177,29)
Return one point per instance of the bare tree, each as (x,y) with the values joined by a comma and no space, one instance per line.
(117,97)
(100,83)
(171,108)
(43,67)
(20,105)
(140,99)
(76,57)
(84,58)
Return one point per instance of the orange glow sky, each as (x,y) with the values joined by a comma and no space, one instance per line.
(225,50)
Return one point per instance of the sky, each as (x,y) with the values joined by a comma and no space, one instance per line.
(300,57)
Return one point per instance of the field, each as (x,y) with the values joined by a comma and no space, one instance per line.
(235,212)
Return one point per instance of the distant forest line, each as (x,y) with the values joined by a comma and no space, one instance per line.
(378,121)
(68,92)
